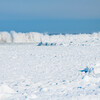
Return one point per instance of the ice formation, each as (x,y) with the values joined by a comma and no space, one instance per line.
(35,37)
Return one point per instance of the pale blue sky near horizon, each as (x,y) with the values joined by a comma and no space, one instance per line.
(18,15)
(60,9)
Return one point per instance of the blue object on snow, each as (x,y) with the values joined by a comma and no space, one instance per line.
(79,87)
(46,44)
(64,81)
(87,69)
(40,44)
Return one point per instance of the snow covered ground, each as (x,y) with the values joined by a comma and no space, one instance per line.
(59,72)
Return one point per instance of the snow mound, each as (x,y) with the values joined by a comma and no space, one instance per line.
(33,96)
(5,92)
(97,68)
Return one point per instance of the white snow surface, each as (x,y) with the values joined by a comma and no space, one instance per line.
(31,72)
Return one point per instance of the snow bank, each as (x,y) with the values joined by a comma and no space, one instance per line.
(35,37)
(5,92)
(5,37)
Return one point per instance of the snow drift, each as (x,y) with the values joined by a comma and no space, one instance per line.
(35,37)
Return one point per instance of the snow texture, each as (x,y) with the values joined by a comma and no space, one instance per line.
(50,72)
(49,40)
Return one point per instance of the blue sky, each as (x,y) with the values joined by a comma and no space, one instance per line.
(54,9)
(71,16)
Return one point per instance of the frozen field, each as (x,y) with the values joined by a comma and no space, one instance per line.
(69,71)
